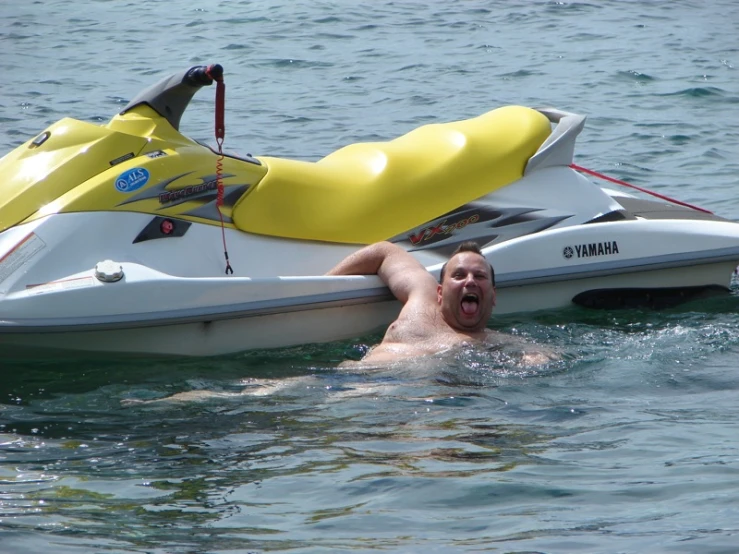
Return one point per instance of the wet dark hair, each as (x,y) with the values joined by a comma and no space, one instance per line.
(468,246)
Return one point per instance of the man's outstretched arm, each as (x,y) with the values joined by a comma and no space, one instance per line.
(398,269)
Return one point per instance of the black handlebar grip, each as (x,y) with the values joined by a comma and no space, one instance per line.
(202,75)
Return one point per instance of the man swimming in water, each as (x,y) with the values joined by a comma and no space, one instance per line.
(435,316)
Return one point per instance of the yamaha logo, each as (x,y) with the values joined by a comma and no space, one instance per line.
(591,250)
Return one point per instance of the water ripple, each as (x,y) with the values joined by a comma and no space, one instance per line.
(697,92)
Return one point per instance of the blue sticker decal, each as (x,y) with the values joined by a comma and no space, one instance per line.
(132,180)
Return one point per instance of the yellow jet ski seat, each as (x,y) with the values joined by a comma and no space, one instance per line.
(368,192)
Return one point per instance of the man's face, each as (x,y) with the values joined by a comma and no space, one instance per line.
(466,295)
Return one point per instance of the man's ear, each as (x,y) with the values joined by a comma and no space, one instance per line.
(438,294)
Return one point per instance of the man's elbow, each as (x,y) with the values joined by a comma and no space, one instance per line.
(366,260)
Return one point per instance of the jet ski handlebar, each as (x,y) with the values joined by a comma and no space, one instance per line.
(171,96)
(203,75)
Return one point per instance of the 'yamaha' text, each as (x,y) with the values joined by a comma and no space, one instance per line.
(596,249)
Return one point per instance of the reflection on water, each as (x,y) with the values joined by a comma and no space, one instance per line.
(205,454)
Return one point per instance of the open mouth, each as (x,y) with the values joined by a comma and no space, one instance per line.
(470,303)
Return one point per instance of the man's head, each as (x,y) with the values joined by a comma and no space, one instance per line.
(468,246)
(466,292)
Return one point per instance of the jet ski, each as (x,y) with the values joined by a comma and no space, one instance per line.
(130,237)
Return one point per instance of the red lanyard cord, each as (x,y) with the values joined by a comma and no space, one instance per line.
(625,184)
(220,132)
